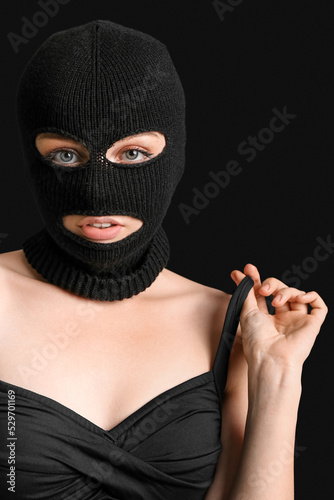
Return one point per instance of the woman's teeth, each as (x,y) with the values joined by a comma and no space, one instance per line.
(105,224)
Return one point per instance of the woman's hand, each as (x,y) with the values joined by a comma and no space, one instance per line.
(287,336)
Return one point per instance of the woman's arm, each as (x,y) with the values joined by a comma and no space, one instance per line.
(266,468)
(234,414)
(275,348)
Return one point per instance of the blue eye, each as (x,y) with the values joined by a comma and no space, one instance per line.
(133,154)
(63,157)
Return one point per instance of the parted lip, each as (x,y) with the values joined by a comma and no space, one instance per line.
(103,219)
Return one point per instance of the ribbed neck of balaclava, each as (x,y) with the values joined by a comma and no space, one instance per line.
(135,275)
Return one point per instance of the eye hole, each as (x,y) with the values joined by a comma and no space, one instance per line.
(136,148)
(64,157)
(61,150)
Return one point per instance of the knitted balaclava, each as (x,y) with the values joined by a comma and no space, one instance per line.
(97,84)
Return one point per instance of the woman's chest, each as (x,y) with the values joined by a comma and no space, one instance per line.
(102,362)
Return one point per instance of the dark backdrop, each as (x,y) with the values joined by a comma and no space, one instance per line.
(241,63)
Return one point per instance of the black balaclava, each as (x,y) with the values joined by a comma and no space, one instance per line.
(98,83)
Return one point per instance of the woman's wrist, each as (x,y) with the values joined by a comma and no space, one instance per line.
(274,384)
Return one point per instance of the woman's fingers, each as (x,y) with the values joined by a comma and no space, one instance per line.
(284,296)
(252,271)
(237,276)
(250,301)
(270,285)
(285,300)
(319,308)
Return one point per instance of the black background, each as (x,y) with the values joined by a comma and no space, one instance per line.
(262,55)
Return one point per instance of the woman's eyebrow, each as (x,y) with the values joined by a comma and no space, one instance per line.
(136,135)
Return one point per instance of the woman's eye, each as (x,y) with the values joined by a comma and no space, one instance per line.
(64,157)
(133,154)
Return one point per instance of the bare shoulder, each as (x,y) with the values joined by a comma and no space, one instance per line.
(181,285)
(14,271)
(9,266)
(15,263)
(194,304)
(205,303)
(11,261)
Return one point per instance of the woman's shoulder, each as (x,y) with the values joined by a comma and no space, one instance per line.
(187,294)
(179,294)
(9,260)
(198,308)
(10,264)
(15,263)
(14,273)
(182,285)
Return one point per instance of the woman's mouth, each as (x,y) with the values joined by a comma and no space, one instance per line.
(100,228)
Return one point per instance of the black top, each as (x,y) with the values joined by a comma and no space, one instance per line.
(167,449)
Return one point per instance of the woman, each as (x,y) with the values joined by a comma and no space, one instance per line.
(112,367)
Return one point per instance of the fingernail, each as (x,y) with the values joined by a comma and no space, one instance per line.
(265,287)
(278,297)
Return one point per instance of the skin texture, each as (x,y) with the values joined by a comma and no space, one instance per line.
(130,149)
